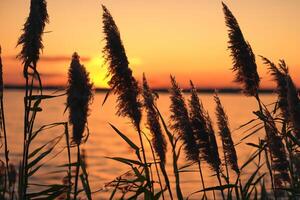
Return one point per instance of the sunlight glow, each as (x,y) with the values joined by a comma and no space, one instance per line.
(98,72)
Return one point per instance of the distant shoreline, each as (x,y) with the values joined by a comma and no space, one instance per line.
(159,90)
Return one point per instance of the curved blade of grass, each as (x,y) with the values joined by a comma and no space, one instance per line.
(115,190)
(128,141)
(126,161)
(254,185)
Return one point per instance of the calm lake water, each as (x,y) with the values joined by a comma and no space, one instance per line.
(104,142)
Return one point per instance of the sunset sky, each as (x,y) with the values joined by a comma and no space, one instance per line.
(187,39)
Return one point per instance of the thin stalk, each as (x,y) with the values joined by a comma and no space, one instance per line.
(202,179)
(26,110)
(145,160)
(167,181)
(220,182)
(5,146)
(266,152)
(77,171)
(175,167)
(156,167)
(236,186)
(270,172)
(27,134)
(176,173)
(152,182)
(69,160)
(227,172)
(289,148)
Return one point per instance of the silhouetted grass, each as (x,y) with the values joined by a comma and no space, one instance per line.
(275,157)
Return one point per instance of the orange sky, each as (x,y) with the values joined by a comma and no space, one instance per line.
(185,38)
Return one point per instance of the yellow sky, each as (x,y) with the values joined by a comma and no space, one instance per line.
(185,38)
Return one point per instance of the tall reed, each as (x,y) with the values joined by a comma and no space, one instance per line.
(159,142)
(279,76)
(293,106)
(122,81)
(180,122)
(31,42)
(279,162)
(199,127)
(3,127)
(230,155)
(79,96)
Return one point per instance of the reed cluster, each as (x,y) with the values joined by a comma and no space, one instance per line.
(275,158)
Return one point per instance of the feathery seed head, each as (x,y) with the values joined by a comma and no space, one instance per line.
(293,106)
(225,133)
(31,39)
(180,122)
(198,122)
(158,139)
(214,157)
(243,58)
(79,96)
(279,76)
(122,82)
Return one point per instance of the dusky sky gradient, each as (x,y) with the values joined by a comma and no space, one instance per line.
(187,39)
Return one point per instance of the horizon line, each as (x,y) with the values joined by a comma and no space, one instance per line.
(156,89)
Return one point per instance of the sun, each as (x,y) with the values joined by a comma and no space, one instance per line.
(98,72)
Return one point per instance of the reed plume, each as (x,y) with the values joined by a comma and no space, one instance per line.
(203,131)
(198,122)
(279,76)
(293,106)
(242,55)
(180,122)
(79,96)
(225,133)
(279,162)
(214,157)
(31,39)
(158,139)
(122,82)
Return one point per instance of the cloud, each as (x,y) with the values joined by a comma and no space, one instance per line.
(57,58)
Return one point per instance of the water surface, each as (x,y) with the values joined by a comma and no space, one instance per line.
(104,142)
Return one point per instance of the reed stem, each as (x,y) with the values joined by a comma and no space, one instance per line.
(266,152)
(202,179)
(77,171)
(220,182)
(5,146)
(167,181)
(27,135)
(156,167)
(69,161)
(145,160)
(176,173)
